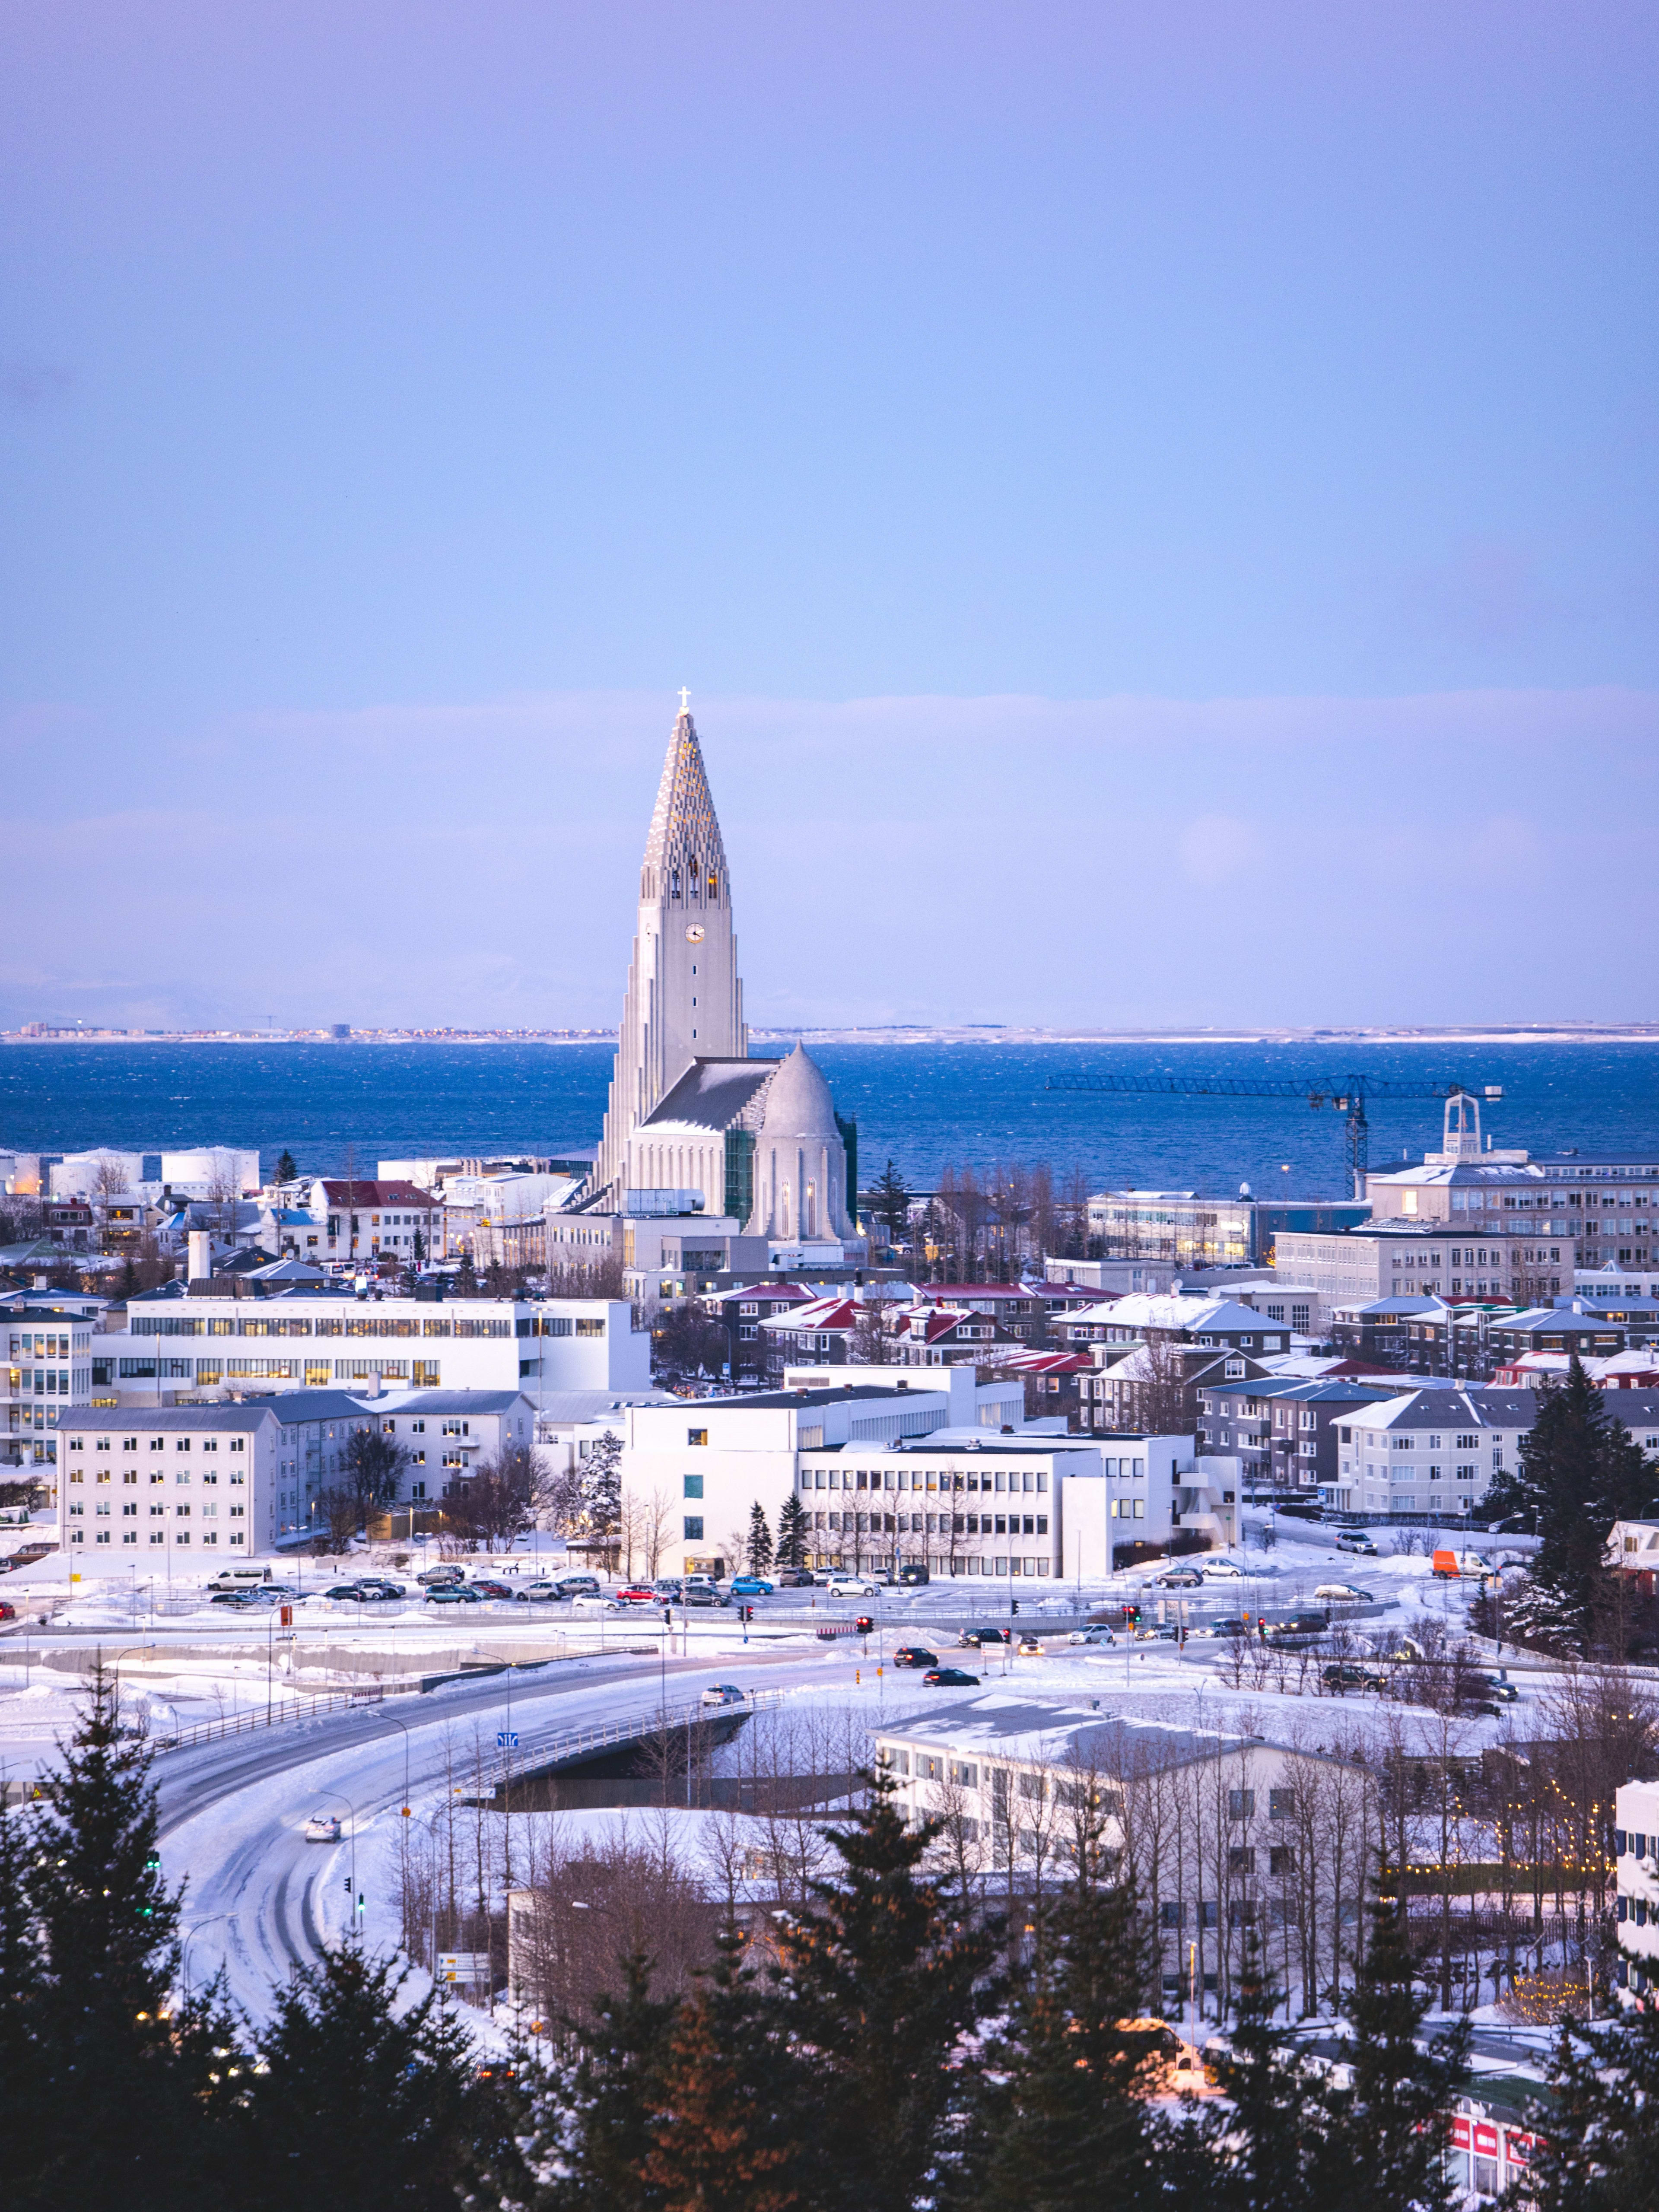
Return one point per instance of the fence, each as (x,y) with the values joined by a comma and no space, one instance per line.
(275,1716)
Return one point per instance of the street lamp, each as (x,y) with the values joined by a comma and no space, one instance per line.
(183,1956)
(356,1900)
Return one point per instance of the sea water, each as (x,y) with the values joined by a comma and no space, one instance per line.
(924,1105)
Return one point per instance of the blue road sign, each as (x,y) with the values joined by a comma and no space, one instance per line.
(507,1739)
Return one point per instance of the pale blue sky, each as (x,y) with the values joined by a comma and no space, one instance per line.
(1194,463)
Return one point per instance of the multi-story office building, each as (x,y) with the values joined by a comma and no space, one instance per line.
(1401,1258)
(47,1369)
(1188,1230)
(175,1341)
(1636,1907)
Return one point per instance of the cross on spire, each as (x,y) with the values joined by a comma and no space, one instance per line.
(685,700)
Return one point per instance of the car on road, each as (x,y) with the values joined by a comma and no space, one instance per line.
(1222,1571)
(851,1586)
(1500,1687)
(794,1578)
(913,1575)
(7,1611)
(724,1693)
(949,1678)
(978,1635)
(636,1594)
(667,1586)
(1180,1578)
(751,1586)
(704,1594)
(453,1593)
(323,1828)
(1355,1539)
(1096,1635)
(1342,1593)
(914,1655)
(1230,1624)
(1030,1648)
(1342,1674)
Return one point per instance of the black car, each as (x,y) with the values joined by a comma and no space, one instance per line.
(705,1597)
(949,1678)
(793,1578)
(914,1654)
(1340,1676)
(978,1635)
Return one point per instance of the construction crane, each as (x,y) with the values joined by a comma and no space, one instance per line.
(1346,1097)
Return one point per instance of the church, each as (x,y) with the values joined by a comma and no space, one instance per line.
(711,1162)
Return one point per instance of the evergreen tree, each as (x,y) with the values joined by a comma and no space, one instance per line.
(287,1168)
(105,1925)
(792,1533)
(467,1277)
(1599,2134)
(1385,2133)
(1071,2131)
(601,1485)
(889,1203)
(759,1546)
(722,2141)
(882,1975)
(22,2055)
(357,2106)
(1580,1471)
(596,2120)
(1264,2150)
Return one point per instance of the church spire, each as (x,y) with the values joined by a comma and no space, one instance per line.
(684,1001)
(684,853)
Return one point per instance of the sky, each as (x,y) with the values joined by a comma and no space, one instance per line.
(1155,507)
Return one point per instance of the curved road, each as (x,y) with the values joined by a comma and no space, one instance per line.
(261,1900)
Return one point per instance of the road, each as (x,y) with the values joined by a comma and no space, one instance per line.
(259,1899)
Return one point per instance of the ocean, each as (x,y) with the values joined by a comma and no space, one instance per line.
(922,1105)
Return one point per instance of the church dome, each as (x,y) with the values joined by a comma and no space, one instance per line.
(797,1103)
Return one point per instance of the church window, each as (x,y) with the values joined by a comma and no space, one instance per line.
(673,883)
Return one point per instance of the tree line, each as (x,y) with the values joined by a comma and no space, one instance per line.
(889,2042)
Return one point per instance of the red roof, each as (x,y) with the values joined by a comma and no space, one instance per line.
(362,1194)
(939,1294)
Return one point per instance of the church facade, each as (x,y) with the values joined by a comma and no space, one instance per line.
(742,1162)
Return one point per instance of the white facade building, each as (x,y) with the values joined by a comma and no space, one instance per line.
(1432,1452)
(46,1371)
(1635,1908)
(190,1485)
(319,1339)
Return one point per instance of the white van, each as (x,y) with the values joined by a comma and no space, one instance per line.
(235,1578)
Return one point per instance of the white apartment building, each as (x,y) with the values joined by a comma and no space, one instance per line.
(446,1433)
(190,1485)
(1635,1908)
(318,1339)
(1430,1259)
(47,1370)
(1432,1452)
(1143,1489)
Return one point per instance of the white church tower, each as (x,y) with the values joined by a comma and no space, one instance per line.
(685,1000)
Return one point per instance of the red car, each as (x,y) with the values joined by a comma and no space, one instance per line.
(637,1593)
(493,1588)
(7,1612)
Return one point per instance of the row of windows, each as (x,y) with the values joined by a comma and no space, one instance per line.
(180,1537)
(943,1524)
(104,1511)
(159,1444)
(1024,1480)
(180,1480)
(355,1325)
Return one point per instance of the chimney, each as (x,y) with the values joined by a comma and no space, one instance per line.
(372,1388)
(200,1247)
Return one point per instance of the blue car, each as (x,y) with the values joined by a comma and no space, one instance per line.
(751,1586)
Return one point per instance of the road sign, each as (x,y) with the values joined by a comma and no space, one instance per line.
(507,1739)
(472,1967)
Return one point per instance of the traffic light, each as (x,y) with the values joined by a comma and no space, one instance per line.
(1013,1605)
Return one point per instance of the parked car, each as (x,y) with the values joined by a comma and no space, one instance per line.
(751,1586)
(1343,1676)
(724,1693)
(1342,1593)
(914,1655)
(590,1604)
(851,1586)
(491,1587)
(444,1574)
(540,1592)
(705,1594)
(1091,1636)
(794,1578)
(1453,1566)
(323,1828)
(949,1677)
(579,1585)
(376,1592)
(637,1593)
(1180,1578)
(1356,1540)
(667,1586)
(342,1593)
(453,1593)
(240,1600)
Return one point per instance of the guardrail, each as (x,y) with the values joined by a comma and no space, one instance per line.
(635,1727)
(294,1709)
